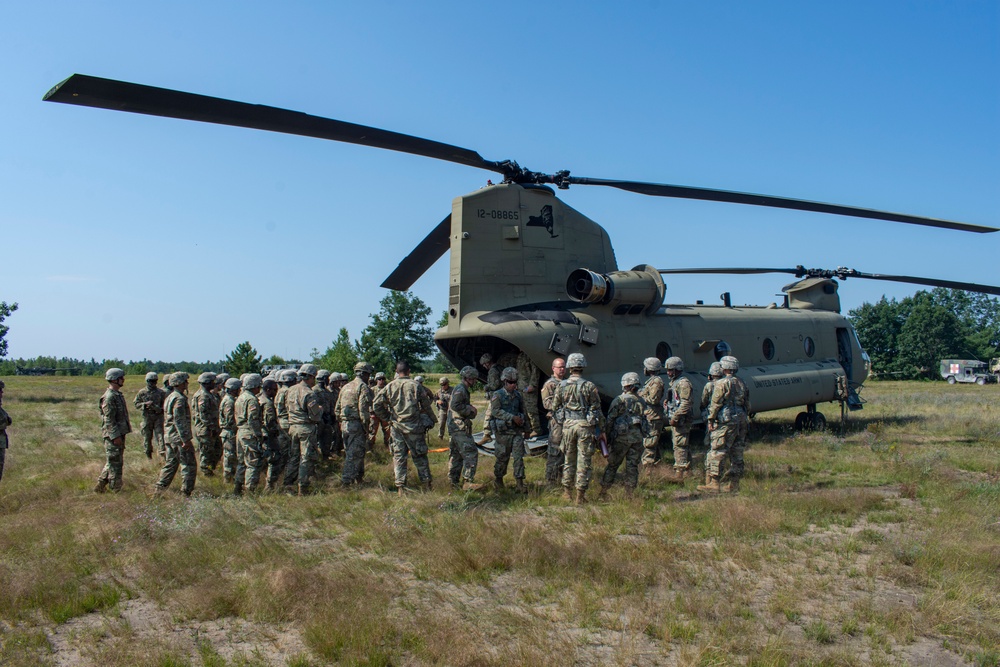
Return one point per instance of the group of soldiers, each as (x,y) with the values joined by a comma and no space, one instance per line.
(276,429)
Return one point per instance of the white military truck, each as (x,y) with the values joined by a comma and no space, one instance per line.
(966,370)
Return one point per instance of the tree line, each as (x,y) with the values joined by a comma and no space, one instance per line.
(907,339)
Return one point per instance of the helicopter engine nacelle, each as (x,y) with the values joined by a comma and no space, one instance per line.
(626,292)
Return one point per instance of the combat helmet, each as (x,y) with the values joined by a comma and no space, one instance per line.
(509,374)
(485,359)
(715,370)
(576,360)
(674,364)
(363,367)
(631,380)
(380,375)
(253,381)
(151,377)
(287,375)
(113,374)
(232,384)
(322,374)
(652,364)
(469,373)
(178,378)
(443,381)
(730,363)
(221,378)
(308,369)
(206,378)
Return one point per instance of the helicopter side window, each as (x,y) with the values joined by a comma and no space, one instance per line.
(767,347)
(722,349)
(809,346)
(663,351)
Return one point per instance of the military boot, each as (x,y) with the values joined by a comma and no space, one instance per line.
(603,495)
(400,491)
(304,490)
(711,484)
(102,484)
(732,486)
(581,496)
(569,493)
(498,483)
(428,486)
(521,488)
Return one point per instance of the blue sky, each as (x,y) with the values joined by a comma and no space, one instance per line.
(130,236)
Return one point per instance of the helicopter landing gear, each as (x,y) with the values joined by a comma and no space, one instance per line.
(810,420)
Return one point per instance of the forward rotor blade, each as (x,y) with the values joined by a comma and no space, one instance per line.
(92,91)
(421,258)
(708,194)
(843,274)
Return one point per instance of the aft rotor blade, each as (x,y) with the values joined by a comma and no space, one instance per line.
(92,91)
(708,194)
(843,274)
(421,258)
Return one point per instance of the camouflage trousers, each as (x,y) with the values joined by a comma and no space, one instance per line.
(487,418)
(442,423)
(251,462)
(337,445)
(651,444)
(276,462)
(409,444)
(509,445)
(112,472)
(229,457)
(628,448)
(355,446)
(210,448)
(184,458)
(681,435)
(304,451)
(578,445)
(3,455)
(324,436)
(379,425)
(152,429)
(464,458)
(725,446)
(531,409)
(554,454)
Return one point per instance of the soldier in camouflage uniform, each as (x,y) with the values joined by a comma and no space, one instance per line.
(324,431)
(464,455)
(377,423)
(627,426)
(680,413)
(727,421)
(304,416)
(250,454)
(554,458)
(493,383)
(335,384)
(219,389)
(509,420)
(583,421)
(353,411)
(714,373)
(114,426)
(528,379)
(652,394)
(205,420)
(150,401)
(271,430)
(5,421)
(227,426)
(443,400)
(405,404)
(279,466)
(177,433)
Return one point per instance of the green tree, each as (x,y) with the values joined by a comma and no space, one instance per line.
(244,359)
(5,311)
(878,327)
(398,332)
(931,333)
(339,357)
(275,360)
(440,363)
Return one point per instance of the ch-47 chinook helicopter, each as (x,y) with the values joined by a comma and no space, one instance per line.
(530,273)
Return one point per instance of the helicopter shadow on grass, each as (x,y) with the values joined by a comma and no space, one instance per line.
(777,431)
(45,399)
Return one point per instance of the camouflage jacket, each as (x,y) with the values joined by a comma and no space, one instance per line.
(730,400)
(227,413)
(176,419)
(205,412)
(548,393)
(706,396)
(444,398)
(304,408)
(579,401)
(325,399)
(652,393)
(679,405)
(248,415)
(281,407)
(528,374)
(461,411)
(114,415)
(504,407)
(493,379)
(268,416)
(5,421)
(150,400)
(405,403)
(627,416)
(355,402)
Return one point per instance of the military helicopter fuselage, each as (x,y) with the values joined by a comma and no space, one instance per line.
(530,273)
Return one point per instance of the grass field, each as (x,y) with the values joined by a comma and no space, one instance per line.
(880,548)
